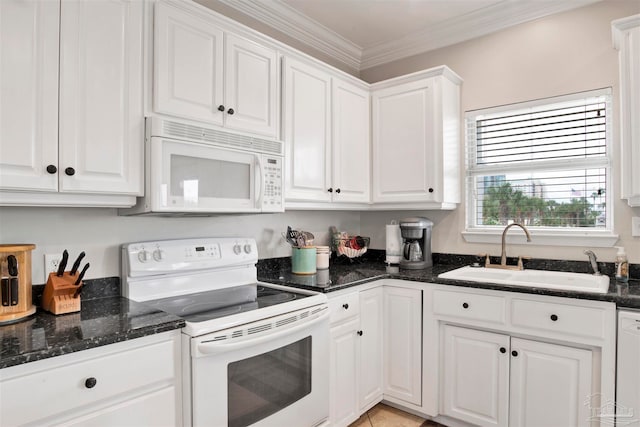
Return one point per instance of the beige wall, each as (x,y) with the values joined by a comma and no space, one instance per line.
(560,54)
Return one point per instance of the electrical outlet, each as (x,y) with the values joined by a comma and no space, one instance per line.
(51,263)
(635,226)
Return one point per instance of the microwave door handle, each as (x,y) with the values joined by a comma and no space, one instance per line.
(206,348)
(259,182)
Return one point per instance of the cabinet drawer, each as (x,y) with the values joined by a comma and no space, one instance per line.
(562,318)
(67,383)
(344,307)
(469,306)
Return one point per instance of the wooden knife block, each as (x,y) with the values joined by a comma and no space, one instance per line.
(58,294)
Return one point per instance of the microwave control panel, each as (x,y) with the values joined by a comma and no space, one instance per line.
(272,193)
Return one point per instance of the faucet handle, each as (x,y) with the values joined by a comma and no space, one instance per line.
(520,263)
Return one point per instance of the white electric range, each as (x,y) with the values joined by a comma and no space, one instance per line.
(257,353)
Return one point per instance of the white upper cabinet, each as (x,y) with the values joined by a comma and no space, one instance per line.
(326,131)
(416,121)
(29,96)
(206,74)
(101,105)
(88,139)
(626,38)
(351,142)
(307,132)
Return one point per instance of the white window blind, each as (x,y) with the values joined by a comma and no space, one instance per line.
(543,163)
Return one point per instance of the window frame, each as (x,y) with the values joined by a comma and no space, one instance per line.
(555,236)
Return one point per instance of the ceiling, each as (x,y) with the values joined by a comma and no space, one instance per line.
(365,33)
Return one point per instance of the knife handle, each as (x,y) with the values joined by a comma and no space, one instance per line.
(63,263)
(76,264)
(14,290)
(4,291)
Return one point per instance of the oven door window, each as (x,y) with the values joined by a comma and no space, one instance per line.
(267,383)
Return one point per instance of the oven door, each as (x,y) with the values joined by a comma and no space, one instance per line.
(189,177)
(266,373)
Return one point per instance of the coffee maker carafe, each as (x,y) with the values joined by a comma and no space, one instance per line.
(416,247)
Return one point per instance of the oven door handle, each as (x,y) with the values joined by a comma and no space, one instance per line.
(214,347)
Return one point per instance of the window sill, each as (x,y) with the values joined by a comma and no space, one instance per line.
(591,239)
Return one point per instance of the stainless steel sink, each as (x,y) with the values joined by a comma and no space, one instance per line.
(561,280)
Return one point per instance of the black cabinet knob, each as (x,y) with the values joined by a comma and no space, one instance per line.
(338,190)
(330,190)
(503,350)
(52,169)
(90,382)
(514,353)
(359,333)
(465,305)
(220,107)
(230,111)
(554,317)
(70,171)
(430,190)
(345,306)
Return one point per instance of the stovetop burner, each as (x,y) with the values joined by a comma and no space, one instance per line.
(203,306)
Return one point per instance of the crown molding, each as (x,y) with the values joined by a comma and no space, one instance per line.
(289,21)
(501,15)
(485,21)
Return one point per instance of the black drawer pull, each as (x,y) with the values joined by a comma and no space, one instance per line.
(90,382)
(220,107)
(345,306)
(70,171)
(503,350)
(465,305)
(514,353)
(554,317)
(230,111)
(52,169)
(359,333)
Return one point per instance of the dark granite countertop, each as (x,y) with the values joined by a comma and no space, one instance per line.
(101,321)
(343,275)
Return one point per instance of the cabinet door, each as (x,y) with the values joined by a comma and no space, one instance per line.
(251,86)
(351,152)
(550,385)
(628,381)
(187,65)
(403,344)
(405,165)
(101,96)
(370,357)
(343,377)
(307,124)
(475,381)
(29,94)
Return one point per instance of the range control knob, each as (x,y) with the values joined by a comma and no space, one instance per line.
(158,254)
(143,256)
(247,248)
(237,249)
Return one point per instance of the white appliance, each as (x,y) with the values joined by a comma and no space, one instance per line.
(254,354)
(628,381)
(194,170)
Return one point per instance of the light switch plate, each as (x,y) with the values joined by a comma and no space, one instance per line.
(635,226)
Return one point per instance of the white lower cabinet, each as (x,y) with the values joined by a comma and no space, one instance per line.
(403,344)
(475,383)
(135,382)
(494,380)
(356,354)
(513,359)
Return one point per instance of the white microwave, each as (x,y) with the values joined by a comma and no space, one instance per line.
(194,170)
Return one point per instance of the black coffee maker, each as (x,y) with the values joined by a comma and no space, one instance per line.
(416,247)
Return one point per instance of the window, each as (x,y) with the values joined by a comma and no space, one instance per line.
(544,164)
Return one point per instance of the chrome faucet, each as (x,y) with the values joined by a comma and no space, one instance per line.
(594,262)
(503,258)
